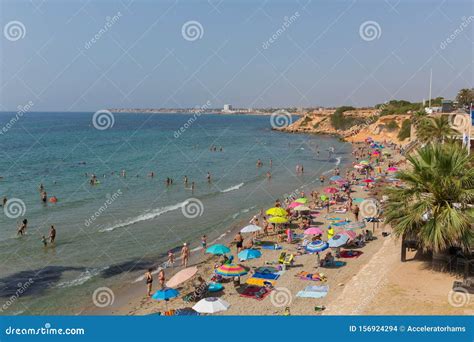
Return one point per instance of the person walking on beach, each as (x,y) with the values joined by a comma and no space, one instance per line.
(239,241)
(52,234)
(356,212)
(170,258)
(204,243)
(148,282)
(185,255)
(162,278)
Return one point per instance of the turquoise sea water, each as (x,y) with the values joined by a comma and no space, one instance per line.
(109,233)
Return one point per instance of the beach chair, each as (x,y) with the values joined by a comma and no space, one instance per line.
(281,258)
(289,260)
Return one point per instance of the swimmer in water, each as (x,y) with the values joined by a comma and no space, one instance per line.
(44,241)
(208,177)
(22,229)
(44,197)
(192,186)
(186,180)
(52,234)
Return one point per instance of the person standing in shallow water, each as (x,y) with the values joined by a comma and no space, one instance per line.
(52,234)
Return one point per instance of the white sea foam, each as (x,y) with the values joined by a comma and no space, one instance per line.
(83,277)
(145,217)
(234,187)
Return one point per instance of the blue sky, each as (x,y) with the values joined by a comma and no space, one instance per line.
(320,58)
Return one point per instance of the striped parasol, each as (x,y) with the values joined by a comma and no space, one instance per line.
(316,246)
(231,270)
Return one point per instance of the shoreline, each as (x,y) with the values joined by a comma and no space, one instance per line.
(130,296)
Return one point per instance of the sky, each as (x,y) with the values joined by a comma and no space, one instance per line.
(90,55)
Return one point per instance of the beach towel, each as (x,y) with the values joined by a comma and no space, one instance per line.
(303,275)
(334,218)
(259,281)
(272,247)
(336,264)
(338,224)
(267,269)
(351,254)
(314,292)
(255,292)
(268,276)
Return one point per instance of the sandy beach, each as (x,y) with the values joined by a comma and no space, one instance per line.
(367,284)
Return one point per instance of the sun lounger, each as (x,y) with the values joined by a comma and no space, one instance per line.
(256,292)
(267,269)
(260,282)
(303,275)
(272,247)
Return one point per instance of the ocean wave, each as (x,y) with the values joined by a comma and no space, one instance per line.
(145,217)
(234,187)
(83,277)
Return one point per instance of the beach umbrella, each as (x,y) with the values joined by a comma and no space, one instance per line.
(251,228)
(231,270)
(375,153)
(368,180)
(359,166)
(302,208)
(338,240)
(182,276)
(330,190)
(323,197)
(392,169)
(364,162)
(352,235)
(211,305)
(302,200)
(294,205)
(342,181)
(335,178)
(278,219)
(247,254)
(218,249)
(165,294)
(313,231)
(316,246)
(276,212)
(355,225)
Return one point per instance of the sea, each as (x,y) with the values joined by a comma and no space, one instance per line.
(109,233)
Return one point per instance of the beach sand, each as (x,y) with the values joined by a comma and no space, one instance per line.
(369,284)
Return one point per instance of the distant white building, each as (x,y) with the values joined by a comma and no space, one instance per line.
(227,108)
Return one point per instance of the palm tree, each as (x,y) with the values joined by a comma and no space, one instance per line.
(435,129)
(435,206)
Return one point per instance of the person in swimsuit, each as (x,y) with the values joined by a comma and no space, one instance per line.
(204,243)
(52,234)
(44,197)
(208,177)
(170,258)
(162,278)
(239,241)
(185,255)
(148,282)
(44,241)
(22,228)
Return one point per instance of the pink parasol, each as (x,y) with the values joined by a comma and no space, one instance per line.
(392,169)
(313,231)
(330,190)
(182,276)
(349,233)
(294,205)
(368,180)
